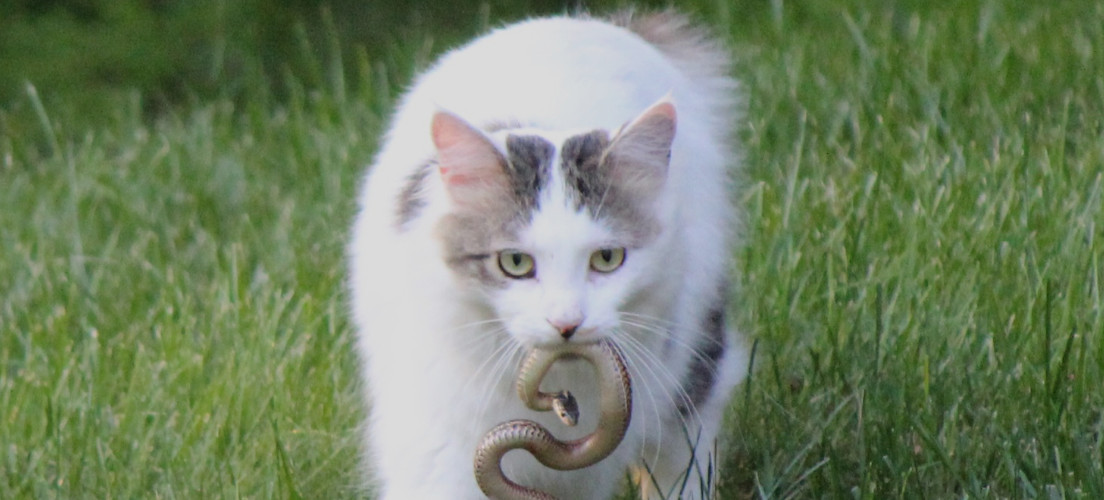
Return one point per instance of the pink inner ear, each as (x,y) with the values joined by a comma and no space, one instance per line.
(664,109)
(470,165)
(640,154)
(656,124)
(463,153)
(647,139)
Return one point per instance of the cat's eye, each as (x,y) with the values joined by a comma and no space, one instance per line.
(607,260)
(516,264)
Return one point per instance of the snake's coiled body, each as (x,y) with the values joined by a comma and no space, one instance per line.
(615,410)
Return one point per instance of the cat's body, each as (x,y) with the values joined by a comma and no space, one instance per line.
(494,218)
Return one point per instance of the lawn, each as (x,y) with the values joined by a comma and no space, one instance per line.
(921,277)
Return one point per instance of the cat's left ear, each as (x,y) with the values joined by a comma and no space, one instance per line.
(640,154)
(470,165)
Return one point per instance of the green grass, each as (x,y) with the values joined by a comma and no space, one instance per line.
(921,277)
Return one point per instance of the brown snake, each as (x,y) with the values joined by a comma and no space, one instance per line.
(615,410)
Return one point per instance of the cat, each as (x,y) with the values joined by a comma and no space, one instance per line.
(562,179)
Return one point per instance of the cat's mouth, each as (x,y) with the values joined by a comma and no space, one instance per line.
(580,337)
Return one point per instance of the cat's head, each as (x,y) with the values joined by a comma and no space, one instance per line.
(558,231)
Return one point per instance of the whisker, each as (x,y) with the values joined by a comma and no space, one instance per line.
(478,323)
(602,202)
(505,358)
(665,334)
(482,337)
(711,365)
(667,325)
(680,393)
(495,354)
(475,324)
(633,359)
(639,354)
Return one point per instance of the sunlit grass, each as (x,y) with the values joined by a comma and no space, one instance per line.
(922,271)
(921,276)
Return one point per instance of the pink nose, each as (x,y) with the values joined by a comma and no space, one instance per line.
(566,329)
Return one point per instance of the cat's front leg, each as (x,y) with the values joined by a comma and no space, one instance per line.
(423,447)
(407,492)
(435,476)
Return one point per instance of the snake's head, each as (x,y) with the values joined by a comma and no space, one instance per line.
(566,407)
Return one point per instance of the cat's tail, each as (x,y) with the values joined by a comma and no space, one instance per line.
(692,47)
(706,61)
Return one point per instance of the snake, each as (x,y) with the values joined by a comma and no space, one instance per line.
(615,410)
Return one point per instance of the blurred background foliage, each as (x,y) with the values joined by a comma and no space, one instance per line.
(85,60)
(90,54)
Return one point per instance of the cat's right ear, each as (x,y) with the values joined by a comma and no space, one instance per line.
(471,167)
(638,157)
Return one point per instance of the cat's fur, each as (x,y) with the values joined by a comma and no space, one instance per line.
(556,137)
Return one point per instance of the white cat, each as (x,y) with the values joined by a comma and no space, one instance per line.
(560,179)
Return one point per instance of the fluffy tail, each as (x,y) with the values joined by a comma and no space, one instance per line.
(692,47)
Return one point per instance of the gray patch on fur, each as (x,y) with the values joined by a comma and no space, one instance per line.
(469,236)
(581,158)
(588,177)
(529,158)
(411,200)
(701,376)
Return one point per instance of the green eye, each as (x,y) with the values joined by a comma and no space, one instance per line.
(607,260)
(516,264)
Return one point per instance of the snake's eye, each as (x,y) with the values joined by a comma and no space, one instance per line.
(517,265)
(607,260)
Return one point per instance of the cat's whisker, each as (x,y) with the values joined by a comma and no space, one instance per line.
(637,363)
(459,329)
(507,358)
(697,353)
(602,202)
(483,336)
(665,326)
(631,363)
(665,334)
(680,394)
(489,321)
(495,354)
(638,350)
(494,366)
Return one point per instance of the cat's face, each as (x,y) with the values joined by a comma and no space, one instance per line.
(557,232)
(567,275)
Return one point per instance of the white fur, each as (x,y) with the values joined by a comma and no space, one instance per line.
(440,358)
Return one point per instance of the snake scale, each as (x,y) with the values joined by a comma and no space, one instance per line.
(615,410)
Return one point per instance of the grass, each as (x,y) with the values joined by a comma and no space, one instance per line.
(923,265)
(921,277)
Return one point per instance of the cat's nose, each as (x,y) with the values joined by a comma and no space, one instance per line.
(566,329)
